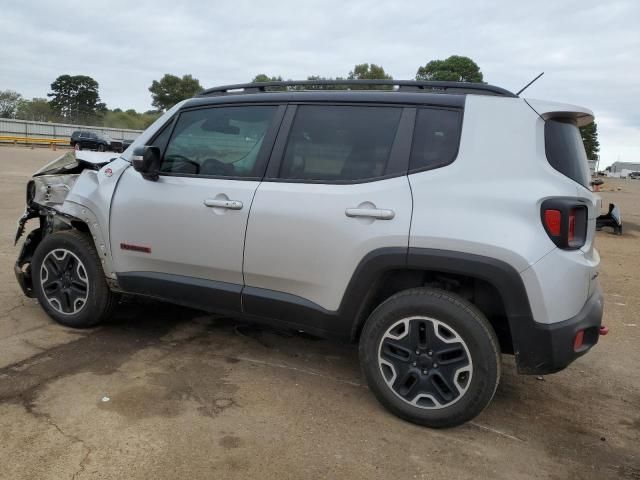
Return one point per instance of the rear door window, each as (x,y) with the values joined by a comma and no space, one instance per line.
(436,138)
(565,149)
(339,143)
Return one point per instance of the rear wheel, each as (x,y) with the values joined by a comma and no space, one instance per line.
(69,282)
(430,357)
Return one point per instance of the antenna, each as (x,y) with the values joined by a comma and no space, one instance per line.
(529,84)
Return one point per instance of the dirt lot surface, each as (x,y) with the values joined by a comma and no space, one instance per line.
(166,392)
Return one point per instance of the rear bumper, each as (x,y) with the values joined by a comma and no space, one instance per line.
(548,348)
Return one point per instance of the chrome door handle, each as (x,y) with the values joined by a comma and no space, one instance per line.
(377,213)
(229,204)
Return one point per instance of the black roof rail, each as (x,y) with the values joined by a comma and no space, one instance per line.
(401,85)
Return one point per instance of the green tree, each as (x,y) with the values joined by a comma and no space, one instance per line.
(131,119)
(261,77)
(36,109)
(171,89)
(75,98)
(590,139)
(453,69)
(321,87)
(9,101)
(365,71)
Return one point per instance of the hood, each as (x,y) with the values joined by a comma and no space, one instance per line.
(75,161)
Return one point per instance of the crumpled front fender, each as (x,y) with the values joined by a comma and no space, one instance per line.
(23,275)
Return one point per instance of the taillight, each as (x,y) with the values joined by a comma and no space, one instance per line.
(565,221)
(572,225)
(553,221)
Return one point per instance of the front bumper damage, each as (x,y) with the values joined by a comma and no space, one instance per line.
(50,220)
(46,194)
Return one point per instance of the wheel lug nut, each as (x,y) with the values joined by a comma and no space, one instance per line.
(417,352)
(430,353)
(414,364)
(424,372)
(435,365)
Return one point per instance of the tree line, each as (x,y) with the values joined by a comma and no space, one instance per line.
(73,99)
(76,99)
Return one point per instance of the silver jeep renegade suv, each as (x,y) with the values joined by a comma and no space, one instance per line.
(436,224)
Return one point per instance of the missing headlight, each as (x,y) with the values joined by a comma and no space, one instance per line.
(52,189)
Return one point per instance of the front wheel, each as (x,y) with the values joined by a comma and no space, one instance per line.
(69,282)
(430,357)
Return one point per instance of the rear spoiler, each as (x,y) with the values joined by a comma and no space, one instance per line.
(545,109)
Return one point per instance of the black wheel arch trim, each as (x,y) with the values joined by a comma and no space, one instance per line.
(501,275)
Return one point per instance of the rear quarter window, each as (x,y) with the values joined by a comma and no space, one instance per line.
(565,150)
(436,138)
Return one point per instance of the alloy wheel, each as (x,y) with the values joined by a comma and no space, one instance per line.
(64,281)
(425,362)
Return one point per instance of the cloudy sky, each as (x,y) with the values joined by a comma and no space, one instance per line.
(589,50)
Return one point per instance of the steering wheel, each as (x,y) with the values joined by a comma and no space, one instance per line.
(186,160)
(213,166)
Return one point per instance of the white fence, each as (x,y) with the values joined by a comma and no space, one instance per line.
(24,128)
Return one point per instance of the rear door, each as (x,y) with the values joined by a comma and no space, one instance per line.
(183,235)
(336,190)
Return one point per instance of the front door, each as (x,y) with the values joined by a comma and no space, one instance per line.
(183,235)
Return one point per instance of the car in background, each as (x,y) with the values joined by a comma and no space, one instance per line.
(126,144)
(85,139)
(634,175)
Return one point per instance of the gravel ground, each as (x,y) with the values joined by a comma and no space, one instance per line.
(167,392)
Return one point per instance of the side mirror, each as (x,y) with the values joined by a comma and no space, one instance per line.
(146,160)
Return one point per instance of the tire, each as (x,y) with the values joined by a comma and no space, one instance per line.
(69,282)
(101,148)
(430,357)
(78,145)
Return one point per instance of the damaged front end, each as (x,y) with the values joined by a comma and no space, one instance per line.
(46,193)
